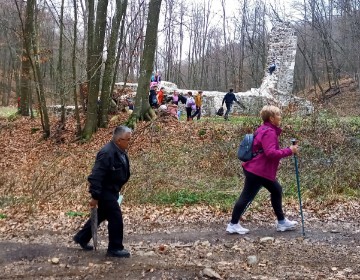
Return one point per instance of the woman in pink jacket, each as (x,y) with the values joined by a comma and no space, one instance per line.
(261,171)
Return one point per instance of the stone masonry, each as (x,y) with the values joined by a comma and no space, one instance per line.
(275,89)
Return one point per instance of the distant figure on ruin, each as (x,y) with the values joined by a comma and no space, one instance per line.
(156,78)
(272,68)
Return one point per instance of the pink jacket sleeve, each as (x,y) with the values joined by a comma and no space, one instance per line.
(270,145)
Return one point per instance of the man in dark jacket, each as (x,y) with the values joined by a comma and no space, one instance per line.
(229,99)
(272,68)
(110,172)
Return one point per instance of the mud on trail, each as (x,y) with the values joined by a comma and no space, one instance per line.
(173,248)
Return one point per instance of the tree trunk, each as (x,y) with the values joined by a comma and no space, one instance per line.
(181,34)
(242,46)
(77,115)
(109,65)
(38,79)
(120,45)
(60,85)
(25,81)
(225,45)
(95,49)
(142,110)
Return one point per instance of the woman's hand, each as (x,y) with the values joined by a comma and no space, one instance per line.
(294,149)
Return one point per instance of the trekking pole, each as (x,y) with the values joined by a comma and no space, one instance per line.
(293,141)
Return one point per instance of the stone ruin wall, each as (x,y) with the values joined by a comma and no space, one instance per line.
(275,89)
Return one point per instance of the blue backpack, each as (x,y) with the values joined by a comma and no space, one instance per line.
(245,152)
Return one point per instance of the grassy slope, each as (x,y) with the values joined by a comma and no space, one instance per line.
(176,163)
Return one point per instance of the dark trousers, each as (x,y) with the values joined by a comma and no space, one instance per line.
(188,113)
(107,210)
(197,113)
(228,109)
(253,184)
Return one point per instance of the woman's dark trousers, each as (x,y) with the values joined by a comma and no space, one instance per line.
(253,184)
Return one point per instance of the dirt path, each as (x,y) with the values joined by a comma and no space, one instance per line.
(329,251)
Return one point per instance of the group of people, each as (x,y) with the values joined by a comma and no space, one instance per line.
(193,104)
(112,170)
(156,97)
(170,104)
(158,100)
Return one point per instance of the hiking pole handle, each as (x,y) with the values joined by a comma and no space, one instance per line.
(293,141)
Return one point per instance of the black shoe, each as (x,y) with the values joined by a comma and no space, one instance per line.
(118,253)
(84,246)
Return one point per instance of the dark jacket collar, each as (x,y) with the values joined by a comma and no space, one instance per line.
(118,148)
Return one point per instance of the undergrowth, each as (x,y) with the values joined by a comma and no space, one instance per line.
(198,165)
(210,173)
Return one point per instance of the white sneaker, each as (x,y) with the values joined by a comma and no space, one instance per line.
(236,228)
(287,225)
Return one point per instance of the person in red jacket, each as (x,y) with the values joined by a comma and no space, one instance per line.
(261,171)
(160,96)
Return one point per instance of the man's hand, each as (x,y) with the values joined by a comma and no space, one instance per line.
(93,203)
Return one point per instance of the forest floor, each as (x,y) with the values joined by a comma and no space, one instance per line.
(165,242)
(189,243)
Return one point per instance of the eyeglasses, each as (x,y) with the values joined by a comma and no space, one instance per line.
(125,139)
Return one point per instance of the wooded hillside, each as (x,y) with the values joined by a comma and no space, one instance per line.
(52,48)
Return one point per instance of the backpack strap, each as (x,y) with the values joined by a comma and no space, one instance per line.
(261,150)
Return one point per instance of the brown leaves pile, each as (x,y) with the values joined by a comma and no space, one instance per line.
(41,181)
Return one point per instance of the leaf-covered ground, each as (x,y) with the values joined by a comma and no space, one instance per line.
(43,191)
(181,243)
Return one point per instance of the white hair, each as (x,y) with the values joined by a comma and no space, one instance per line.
(119,131)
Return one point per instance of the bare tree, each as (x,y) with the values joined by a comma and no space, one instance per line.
(142,109)
(226,62)
(60,66)
(96,38)
(110,62)
(40,91)
(25,80)
(73,63)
